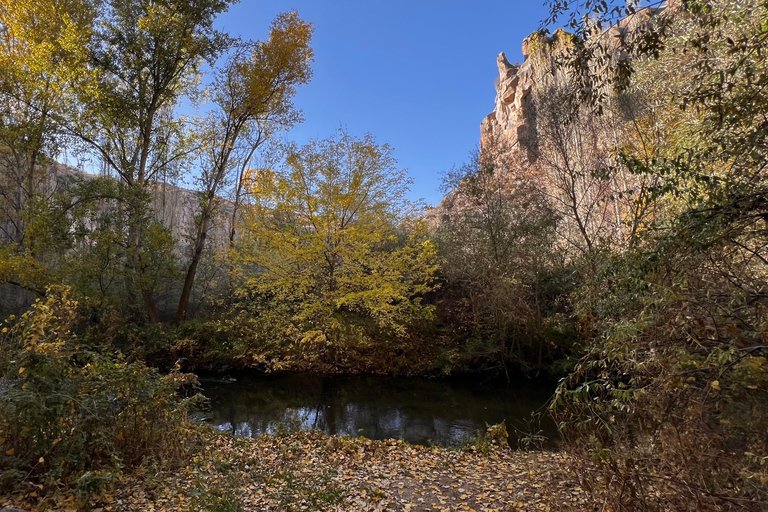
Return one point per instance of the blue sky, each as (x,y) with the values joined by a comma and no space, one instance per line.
(418,75)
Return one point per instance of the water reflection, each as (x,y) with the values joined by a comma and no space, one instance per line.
(415,410)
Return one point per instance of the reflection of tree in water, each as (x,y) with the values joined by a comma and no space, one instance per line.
(416,410)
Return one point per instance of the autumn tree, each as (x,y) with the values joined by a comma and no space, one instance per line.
(146,56)
(42,54)
(678,356)
(576,155)
(252,93)
(329,245)
(497,237)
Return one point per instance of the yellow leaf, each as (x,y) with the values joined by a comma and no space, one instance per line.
(21,370)
(10,452)
(715,384)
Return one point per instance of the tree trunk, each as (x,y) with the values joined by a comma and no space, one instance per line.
(202,233)
(151,305)
(189,279)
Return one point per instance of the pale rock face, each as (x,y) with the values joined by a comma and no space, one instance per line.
(511,123)
(526,47)
(507,123)
(508,120)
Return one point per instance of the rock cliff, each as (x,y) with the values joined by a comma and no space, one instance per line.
(510,121)
(507,122)
(512,125)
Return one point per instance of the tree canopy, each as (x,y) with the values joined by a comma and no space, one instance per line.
(332,240)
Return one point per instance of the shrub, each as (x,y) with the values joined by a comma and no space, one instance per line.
(668,410)
(75,415)
(494,437)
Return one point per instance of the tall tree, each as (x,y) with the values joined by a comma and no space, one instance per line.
(679,357)
(252,94)
(42,53)
(496,237)
(146,54)
(324,244)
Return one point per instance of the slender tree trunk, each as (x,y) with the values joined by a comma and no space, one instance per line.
(135,274)
(189,279)
(138,269)
(151,305)
(236,206)
(205,220)
(239,191)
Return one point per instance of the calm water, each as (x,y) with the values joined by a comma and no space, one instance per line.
(413,409)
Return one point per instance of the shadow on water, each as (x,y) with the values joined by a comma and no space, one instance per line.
(417,410)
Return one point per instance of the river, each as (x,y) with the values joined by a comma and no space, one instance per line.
(416,410)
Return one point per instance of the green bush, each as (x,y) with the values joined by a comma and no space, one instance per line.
(74,415)
(668,409)
(238,340)
(494,437)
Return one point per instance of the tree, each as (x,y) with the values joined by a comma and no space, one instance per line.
(601,203)
(679,351)
(146,56)
(42,54)
(497,240)
(252,94)
(331,245)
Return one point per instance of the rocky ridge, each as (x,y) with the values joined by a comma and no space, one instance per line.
(513,89)
(510,119)
(511,124)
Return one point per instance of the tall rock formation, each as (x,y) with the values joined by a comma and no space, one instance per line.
(536,140)
(508,126)
(508,120)
(511,120)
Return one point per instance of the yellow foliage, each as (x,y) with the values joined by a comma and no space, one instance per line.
(43,45)
(330,239)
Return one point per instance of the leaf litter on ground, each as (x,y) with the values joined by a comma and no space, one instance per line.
(312,471)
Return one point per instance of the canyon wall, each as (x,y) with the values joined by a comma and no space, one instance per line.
(541,139)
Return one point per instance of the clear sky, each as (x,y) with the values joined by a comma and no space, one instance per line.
(416,74)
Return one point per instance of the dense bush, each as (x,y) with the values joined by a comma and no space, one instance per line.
(504,276)
(75,415)
(243,339)
(668,411)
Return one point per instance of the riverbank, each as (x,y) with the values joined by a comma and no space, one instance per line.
(240,343)
(313,471)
